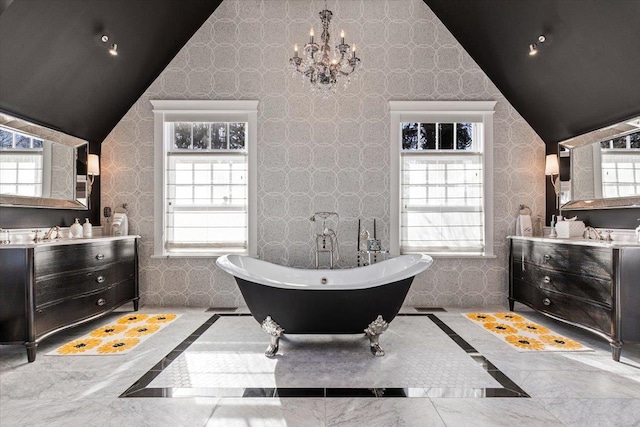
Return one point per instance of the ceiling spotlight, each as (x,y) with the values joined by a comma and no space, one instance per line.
(533,47)
(105,38)
(113,50)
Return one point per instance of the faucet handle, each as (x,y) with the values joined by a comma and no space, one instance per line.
(36,237)
(608,237)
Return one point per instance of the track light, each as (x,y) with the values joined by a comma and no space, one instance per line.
(113,48)
(533,47)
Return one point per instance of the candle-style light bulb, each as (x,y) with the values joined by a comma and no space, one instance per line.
(354,50)
(295,50)
(311,35)
(342,36)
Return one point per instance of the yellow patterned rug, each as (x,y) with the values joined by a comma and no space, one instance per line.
(118,337)
(523,334)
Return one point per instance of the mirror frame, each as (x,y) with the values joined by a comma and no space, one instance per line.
(50,135)
(597,136)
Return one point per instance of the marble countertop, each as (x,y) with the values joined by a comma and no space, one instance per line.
(25,243)
(618,241)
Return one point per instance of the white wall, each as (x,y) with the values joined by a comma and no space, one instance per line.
(317,154)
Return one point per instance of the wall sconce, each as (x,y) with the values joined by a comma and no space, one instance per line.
(552,169)
(93,170)
(533,47)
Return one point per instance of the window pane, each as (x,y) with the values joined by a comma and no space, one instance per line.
(37,143)
(446,136)
(464,138)
(635,140)
(428,136)
(409,136)
(237,136)
(6,139)
(219,136)
(182,135)
(200,136)
(23,141)
(620,142)
(605,144)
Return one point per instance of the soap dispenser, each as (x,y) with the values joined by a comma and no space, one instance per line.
(87,228)
(638,232)
(76,230)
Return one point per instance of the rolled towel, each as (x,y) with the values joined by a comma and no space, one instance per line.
(524,226)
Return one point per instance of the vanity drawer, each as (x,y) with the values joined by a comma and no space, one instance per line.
(566,307)
(76,309)
(578,259)
(588,288)
(58,287)
(56,259)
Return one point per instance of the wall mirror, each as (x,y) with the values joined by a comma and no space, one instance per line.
(41,167)
(604,168)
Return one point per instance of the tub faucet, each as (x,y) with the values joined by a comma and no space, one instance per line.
(327,238)
(592,233)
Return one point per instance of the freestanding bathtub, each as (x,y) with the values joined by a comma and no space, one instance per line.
(348,301)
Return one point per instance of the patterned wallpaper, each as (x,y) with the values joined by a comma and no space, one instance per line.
(322,155)
(62,176)
(583,184)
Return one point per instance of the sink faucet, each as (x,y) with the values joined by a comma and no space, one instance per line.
(55,228)
(590,232)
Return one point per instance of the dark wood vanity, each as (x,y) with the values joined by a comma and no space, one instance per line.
(592,285)
(48,287)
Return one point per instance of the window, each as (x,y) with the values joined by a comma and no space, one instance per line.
(205,177)
(21,164)
(441,153)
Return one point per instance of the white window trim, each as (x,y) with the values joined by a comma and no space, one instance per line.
(162,108)
(442,111)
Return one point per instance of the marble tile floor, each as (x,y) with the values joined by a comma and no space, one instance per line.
(564,389)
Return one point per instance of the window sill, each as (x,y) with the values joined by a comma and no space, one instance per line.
(455,255)
(196,255)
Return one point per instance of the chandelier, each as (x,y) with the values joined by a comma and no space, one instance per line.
(320,68)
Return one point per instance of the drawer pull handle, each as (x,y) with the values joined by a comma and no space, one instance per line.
(546,279)
(100,256)
(100,279)
(547,257)
(101,302)
(546,301)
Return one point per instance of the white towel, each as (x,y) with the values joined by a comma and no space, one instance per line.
(524,226)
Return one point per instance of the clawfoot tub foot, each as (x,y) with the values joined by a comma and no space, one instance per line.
(373,331)
(273,329)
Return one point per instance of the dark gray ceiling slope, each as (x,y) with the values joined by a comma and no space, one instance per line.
(585,76)
(54,69)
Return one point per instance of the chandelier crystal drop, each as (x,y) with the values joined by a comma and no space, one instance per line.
(321,68)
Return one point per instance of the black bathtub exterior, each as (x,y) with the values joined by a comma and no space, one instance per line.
(310,311)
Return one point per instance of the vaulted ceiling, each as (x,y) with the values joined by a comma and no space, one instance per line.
(54,69)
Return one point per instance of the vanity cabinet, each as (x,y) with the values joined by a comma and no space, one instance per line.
(53,286)
(592,285)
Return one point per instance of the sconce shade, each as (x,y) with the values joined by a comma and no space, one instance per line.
(551,166)
(93,165)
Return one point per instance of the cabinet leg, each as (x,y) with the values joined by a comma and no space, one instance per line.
(616,349)
(136,304)
(31,351)
(511,304)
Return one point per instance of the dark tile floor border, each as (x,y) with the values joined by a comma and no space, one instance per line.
(140,389)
